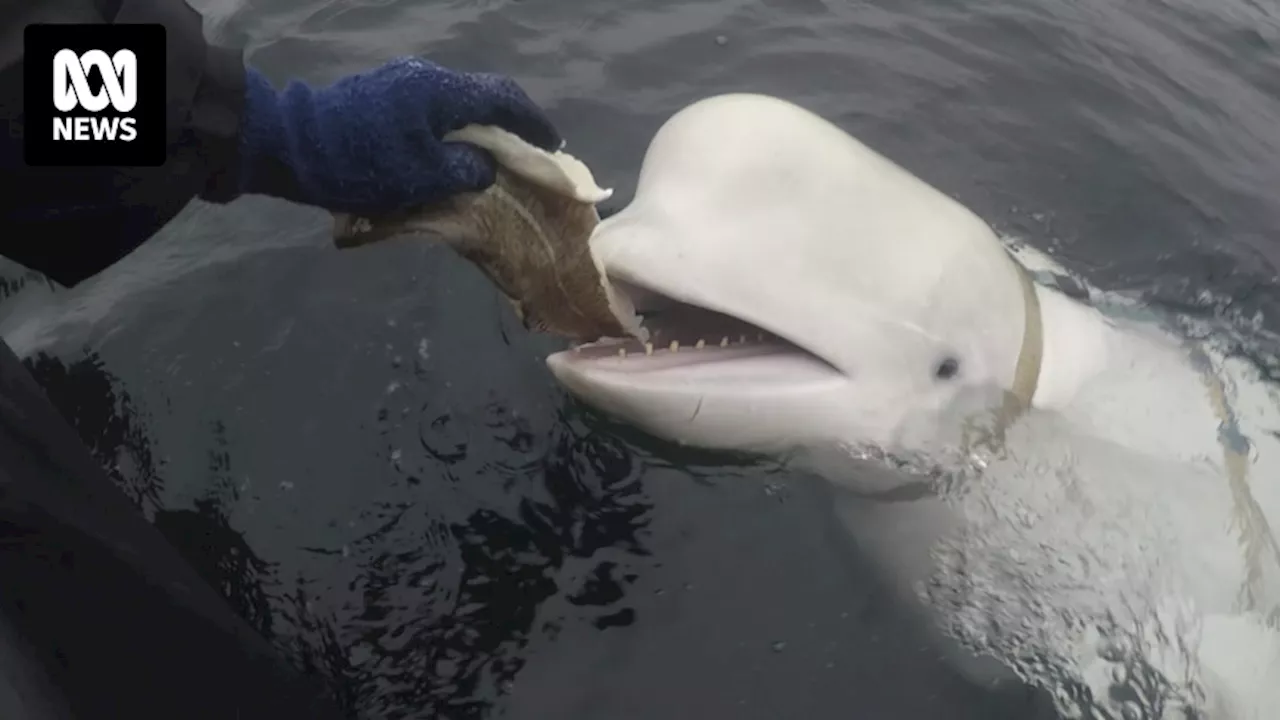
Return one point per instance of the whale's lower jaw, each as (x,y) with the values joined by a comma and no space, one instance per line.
(736,365)
(737,405)
(694,347)
(692,381)
(702,377)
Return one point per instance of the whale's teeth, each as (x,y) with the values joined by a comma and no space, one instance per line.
(622,352)
(700,344)
(742,338)
(648,348)
(724,341)
(675,346)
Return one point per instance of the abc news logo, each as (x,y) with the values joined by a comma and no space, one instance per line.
(94,95)
(71,90)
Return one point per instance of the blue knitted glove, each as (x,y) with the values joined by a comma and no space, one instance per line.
(370,144)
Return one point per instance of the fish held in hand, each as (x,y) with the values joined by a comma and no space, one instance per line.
(529,233)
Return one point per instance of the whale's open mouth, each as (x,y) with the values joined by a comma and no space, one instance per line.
(683,335)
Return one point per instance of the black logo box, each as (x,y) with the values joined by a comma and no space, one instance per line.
(41,43)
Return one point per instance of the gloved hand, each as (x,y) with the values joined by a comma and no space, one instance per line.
(370,144)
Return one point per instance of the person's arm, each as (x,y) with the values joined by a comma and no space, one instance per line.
(368,143)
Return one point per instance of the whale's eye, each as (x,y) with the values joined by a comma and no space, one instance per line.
(947,369)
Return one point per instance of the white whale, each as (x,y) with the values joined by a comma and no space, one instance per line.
(810,299)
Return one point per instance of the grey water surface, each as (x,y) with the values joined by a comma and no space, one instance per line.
(364,452)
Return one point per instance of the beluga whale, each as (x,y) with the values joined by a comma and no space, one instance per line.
(1080,498)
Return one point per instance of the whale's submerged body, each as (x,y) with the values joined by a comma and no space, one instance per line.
(805,296)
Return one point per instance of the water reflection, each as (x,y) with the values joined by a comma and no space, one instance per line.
(104,415)
(222,557)
(431,621)
(439,641)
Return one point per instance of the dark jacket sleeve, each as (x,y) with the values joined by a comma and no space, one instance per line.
(72,223)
